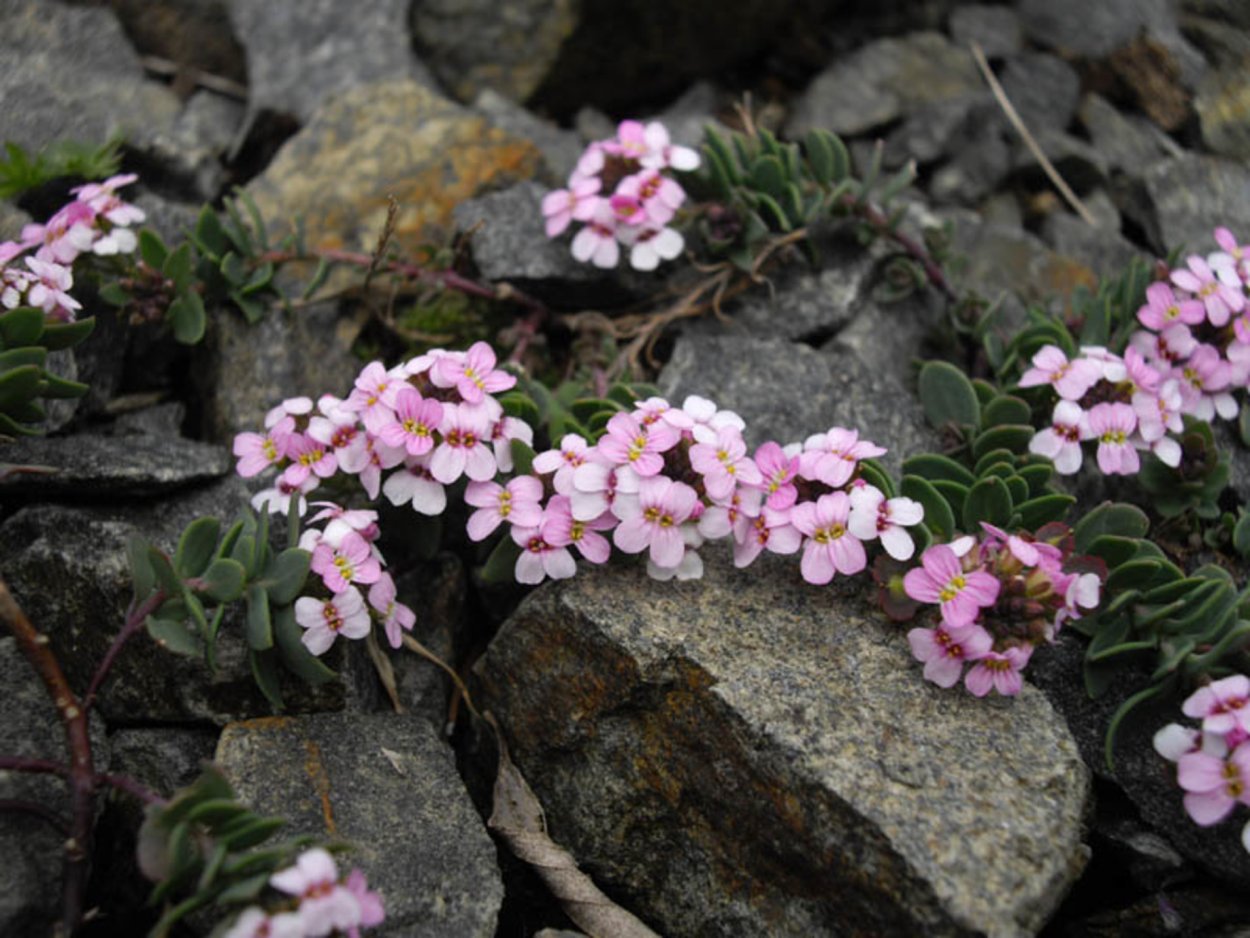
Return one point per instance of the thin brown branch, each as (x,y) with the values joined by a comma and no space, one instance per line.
(131,787)
(170,69)
(413,645)
(1029,140)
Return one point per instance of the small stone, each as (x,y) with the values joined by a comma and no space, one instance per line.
(196,145)
(1043,89)
(748,754)
(1127,142)
(1092,30)
(104,467)
(1103,249)
(68,73)
(981,161)
(159,420)
(299,52)
(886,79)
(1186,199)
(996,29)
(1223,106)
(1078,163)
(687,117)
(560,148)
(933,131)
(193,34)
(387,786)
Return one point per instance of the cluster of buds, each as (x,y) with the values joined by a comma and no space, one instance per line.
(621,194)
(1213,763)
(1193,353)
(318,904)
(998,600)
(96,222)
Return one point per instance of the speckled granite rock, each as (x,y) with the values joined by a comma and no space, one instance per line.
(69,73)
(884,80)
(301,51)
(390,138)
(748,755)
(388,786)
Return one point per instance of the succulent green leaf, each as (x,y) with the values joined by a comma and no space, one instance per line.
(1043,509)
(989,500)
(285,575)
(257,831)
(178,267)
(259,624)
(1112,548)
(1019,489)
(938,516)
(1110,518)
(21,326)
(196,547)
(209,236)
(522,457)
(60,388)
(142,576)
(166,576)
(224,579)
(955,493)
(19,385)
(874,474)
(152,249)
(265,673)
(948,396)
(933,466)
(1037,475)
(261,277)
(295,656)
(23,356)
(186,315)
(1137,574)
(1012,437)
(1006,409)
(820,156)
(1241,531)
(768,176)
(500,566)
(1155,690)
(174,635)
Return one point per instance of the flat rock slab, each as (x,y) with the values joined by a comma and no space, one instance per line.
(751,755)
(388,786)
(1187,198)
(96,467)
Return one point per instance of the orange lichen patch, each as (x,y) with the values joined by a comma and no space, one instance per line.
(260,723)
(317,774)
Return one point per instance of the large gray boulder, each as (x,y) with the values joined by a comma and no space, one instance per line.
(749,754)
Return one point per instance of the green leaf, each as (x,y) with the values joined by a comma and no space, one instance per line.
(59,388)
(988,500)
(169,580)
(1018,488)
(1006,409)
(257,831)
(63,335)
(820,156)
(259,625)
(522,457)
(1037,476)
(232,269)
(21,326)
(1243,426)
(1042,510)
(1123,711)
(938,516)
(1241,530)
(209,235)
(285,575)
(23,356)
(253,310)
(986,392)
(1110,518)
(223,580)
(1113,549)
(174,636)
(19,385)
(948,396)
(178,267)
(770,205)
(186,313)
(152,249)
(874,474)
(214,812)
(954,493)
(265,673)
(261,277)
(1135,573)
(933,466)
(1006,436)
(768,176)
(315,282)
(141,573)
(295,655)
(196,547)
(500,566)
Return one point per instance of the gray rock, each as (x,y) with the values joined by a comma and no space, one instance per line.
(169,219)
(69,571)
(1233,12)
(31,874)
(560,148)
(12,220)
(301,51)
(388,786)
(787,391)
(69,74)
(244,370)
(996,29)
(725,766)
(1002,209)
(1186,199)
(933,131)
(981,161)
(160,419)
(889,338)
(1043,89)
(1148,859)
(1103,249)
(193,151)
(193,34)
(686,117)
(1127,142)
(886,79)
(1223,99)
(1081,165)
(1093,30)
(99,467)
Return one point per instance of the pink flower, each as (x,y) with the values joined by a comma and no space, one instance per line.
(597,241)
(873,516)
(1205,378)
(324,620)
(1071,379)
(502,433)
(517,503)
(395,615)
(563,462)
(629,443)
(596,486)
(338,430)
(325,906)
(308,457)
(832,457)
(374,396)
(350,561)
(1174,741)
(999,671)
(656,195)
(1112,425)
(777,471)
(1222,705)
(941,579)
(48,290)
(1214,784)
(771,530)
(257,453)
(945,649)
(564,528)
(649,246)
(1219,291)
(371,910)
(1163,308)
(414,483)
(464,449)
(830,546)
(472,374)
(1159,411)
(724,464)
(255,923)
(654,522)
(277,500)
(366,457)
(415,421)
(697,416)
(564,205)
(544,552)
(66,234)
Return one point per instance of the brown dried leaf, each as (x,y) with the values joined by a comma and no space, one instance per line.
(518,819)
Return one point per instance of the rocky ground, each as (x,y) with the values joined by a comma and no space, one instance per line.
(735,756)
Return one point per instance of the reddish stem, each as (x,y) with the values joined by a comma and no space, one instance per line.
(135,620)
(82,779)
(33,766)
(877,219)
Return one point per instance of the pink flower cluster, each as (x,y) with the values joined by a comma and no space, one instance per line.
(1193,353)
(998,600)
(1213,763)
(323,905)
(96,222)
(428,423)
(643,200)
